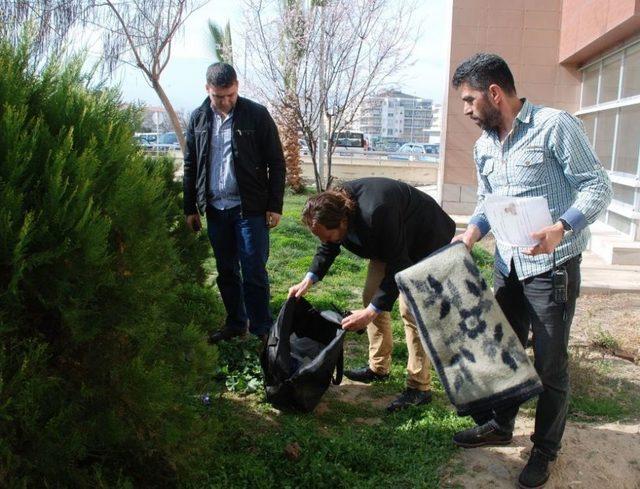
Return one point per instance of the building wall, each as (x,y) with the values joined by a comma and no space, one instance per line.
(591,26)
(526,33)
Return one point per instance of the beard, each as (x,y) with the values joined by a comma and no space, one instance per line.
(489,118)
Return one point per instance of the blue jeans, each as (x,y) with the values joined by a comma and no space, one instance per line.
(241,243)
(528,304)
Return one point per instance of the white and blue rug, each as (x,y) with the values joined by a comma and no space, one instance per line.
(476,354)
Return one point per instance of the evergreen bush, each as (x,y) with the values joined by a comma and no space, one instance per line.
(102,307)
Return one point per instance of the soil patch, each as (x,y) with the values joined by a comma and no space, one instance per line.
(593,456)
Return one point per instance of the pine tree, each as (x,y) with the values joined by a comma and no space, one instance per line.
(102,311)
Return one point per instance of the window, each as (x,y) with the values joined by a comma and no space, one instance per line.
(590,85)
(628,145)
(623,194)
(589,122)
(631,78)
(610,113)
(604,137)
(610,79)
(620,223)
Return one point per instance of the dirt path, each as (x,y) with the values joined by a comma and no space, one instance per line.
(592,457)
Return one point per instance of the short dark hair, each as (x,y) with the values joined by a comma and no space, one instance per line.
(483,69)
(221,75)
(328,208)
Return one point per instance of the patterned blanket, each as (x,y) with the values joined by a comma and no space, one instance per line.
(476,354)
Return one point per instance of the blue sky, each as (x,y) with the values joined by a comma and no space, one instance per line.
(183,79)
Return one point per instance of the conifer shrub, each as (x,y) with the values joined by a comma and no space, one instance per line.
(102,305)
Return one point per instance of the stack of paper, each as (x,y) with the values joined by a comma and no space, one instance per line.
(514,219)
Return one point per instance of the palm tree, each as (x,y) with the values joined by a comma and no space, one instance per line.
(221,42)
(288,110)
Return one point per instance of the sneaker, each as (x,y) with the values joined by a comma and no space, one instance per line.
(479,436)
(410,397)
(226,334)
(536,473)
(364,374)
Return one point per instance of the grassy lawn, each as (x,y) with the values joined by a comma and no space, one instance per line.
(349,440)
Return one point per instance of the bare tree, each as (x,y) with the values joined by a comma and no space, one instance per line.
(136,32)
(348,50)
(140,33)
(48,20)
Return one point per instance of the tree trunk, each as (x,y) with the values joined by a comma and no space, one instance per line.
(173,117)
(288,128)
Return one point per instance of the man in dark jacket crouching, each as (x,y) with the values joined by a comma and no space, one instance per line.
(394,225)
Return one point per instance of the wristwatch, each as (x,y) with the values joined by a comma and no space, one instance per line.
(568,230)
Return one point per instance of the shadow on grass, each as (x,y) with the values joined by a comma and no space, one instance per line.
(337,446)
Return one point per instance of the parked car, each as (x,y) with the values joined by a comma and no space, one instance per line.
(417,151)
(143,142)
(167,142)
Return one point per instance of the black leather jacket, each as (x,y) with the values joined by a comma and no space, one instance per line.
(258,160)
(394,223)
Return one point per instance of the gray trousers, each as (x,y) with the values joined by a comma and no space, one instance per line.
(528,304)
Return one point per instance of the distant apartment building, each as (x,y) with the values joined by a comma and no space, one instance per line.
(582,56)
(436,125)
(395,115)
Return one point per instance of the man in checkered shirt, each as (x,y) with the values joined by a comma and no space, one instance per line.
(527,150)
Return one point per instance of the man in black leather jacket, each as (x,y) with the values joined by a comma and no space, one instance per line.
(234,173)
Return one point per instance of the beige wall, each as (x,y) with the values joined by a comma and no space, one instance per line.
(526,33)
(592,26)
(414,173)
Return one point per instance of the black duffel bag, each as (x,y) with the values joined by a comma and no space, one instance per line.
(304,348)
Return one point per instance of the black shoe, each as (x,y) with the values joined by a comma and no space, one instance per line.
(264,339)
(482,435)
(410,397)
(364,374)
(226,334)
(536,473)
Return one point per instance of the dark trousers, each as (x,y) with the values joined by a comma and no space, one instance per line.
(241,244)
(529,304)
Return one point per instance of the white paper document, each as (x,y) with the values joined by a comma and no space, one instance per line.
(513,219)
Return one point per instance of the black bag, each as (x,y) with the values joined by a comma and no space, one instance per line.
(303,350)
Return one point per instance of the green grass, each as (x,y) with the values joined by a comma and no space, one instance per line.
(345,444)
(596,395)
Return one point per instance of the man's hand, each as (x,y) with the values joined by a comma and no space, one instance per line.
(193,221)
(273,219)
(359,319)
(469,237)
(549,238)
(300,289)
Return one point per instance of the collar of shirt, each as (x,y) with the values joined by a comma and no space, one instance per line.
(218,114)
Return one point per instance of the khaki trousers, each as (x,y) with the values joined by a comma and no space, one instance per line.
(381,339)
